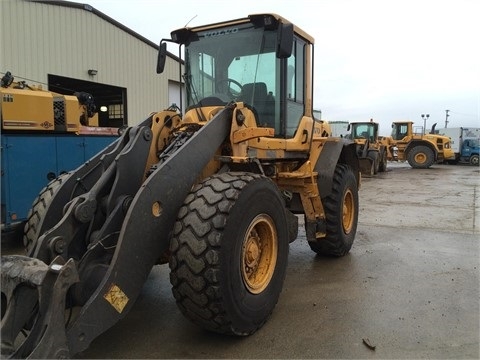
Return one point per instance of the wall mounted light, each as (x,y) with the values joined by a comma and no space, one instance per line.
(92,72)
(103,108)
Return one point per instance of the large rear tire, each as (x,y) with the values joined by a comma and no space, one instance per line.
(229,252)
(421,157)
(341,211)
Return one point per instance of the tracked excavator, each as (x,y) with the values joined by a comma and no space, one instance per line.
(215,190)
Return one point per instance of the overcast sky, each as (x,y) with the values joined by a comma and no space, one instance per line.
(382,59)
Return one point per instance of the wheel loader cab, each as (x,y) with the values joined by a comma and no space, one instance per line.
(367,131)
(260,61)
(400,130)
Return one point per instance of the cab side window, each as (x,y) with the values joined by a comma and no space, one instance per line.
(295,87)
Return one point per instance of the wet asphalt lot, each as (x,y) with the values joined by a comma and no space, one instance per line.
(409,287)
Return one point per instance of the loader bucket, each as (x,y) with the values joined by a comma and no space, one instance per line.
(366,167)
(35,293)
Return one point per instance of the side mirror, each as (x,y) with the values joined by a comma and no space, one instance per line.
(162,57)
(284,41)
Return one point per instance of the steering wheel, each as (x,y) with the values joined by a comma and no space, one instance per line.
(231,91)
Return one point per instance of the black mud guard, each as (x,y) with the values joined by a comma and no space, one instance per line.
(335,150)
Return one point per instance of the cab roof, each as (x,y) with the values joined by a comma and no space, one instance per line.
(250,18)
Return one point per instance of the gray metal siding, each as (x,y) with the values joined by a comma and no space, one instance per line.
(38,39)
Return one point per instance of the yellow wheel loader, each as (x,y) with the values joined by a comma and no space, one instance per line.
(214,190)
(372,153)
(419,149)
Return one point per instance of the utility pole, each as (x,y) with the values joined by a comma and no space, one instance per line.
(446,117)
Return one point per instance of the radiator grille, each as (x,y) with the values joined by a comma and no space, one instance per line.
(59,111)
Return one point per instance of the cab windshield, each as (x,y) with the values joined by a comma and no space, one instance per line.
(364,131)
(236,63)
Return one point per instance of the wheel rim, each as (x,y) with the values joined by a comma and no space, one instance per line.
(348,211)
(259,254)
(420,158)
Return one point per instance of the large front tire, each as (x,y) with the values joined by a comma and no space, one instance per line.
(374,156)
(383,162)
(229,253)
(341,211)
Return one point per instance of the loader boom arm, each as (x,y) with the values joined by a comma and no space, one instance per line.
(139,218)
(145,233)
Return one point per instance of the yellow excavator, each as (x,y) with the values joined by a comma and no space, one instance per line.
(214,189)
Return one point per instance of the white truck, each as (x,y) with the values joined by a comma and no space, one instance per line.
(465,143)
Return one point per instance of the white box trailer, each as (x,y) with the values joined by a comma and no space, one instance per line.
(471,132)
(461,142)
(458,134)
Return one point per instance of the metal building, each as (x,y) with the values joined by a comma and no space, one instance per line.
(68,47)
